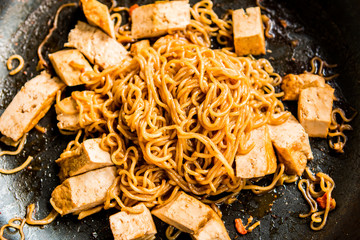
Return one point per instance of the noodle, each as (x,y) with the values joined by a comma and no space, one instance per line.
(309,192)
(47,220)
(169,233)
(10,66)
(320,68)
(17,169)
(18,150)
(17,227)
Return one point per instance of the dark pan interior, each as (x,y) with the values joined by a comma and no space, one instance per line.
(329,29)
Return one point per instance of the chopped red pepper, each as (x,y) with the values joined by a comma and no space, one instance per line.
(132,8)
(240,227)
(322,201)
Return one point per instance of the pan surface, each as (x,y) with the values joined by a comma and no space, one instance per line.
(328,29)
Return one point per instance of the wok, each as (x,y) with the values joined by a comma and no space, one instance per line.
(325,28)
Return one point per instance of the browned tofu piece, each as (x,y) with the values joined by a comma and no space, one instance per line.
(67,120)
(129,226)
(97,47)
(98,15)
(91,157)
(29,105)
(160,18)
(185,213)
(165,40)
(214,229)
(261,160)
(137,46)
(314,110)
(293,84)
(69,64)
(248,32)
(83,192)
(292,145)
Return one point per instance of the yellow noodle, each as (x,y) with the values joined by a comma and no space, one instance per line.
(17,169)
(10,66)
(47,220)
(11,224)
(18,150)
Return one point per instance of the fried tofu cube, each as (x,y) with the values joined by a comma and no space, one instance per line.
(97,47)
(214,229)
(91,157)
(248,32)
(84,191)
(160,18)
(261,160)
(67,114)
(129,226)
(69,64)
(136,47)
(98,15)
(292,145)
(166,40)
(29,105)
(293,84)
(314,110)
(185,213)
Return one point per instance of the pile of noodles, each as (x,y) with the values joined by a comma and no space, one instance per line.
(176,116)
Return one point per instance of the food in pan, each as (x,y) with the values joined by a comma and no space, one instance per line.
(170,126)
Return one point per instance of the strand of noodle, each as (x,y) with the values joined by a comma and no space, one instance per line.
(19,148)
(10,66)
(169,233)
(40,128)
(252,227)
(17,169)
(84,214)
(47,220)
(42,63)
(268,25)
(17,227)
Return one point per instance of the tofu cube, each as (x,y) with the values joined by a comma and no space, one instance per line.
(160,18)
(97,47)
(67,121)
(166,40)
(261,160)
(137,46)
(314,110)
(129,226)
(29,105)
(292,145)
(214,229)
(65,63)
(185,213)
(98,15)
(293,84)
(91,157)
(83,192)
(248,32)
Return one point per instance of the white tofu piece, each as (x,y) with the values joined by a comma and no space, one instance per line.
(69,122)
(248,32)
(29,105)
(293,84)
(160,18)
(261,160)
(129,226)
(185,213)
(91,157)
(97,47)
(314,110)
(214,229)
(63,62)
(292,145)
(83,192)
(137,46)
(98,15)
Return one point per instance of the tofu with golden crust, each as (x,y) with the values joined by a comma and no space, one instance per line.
(248,32)
(69,64)
(91,157)
(159,18)
(293,84)
(292,145)
(83,192)
(261,160)
(97,46)
(314,110)
(98,15)
(131,226)
(214,229)
(29,105)
(185,213)
(137,46)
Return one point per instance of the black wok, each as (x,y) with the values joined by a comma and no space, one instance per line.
(326,28)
